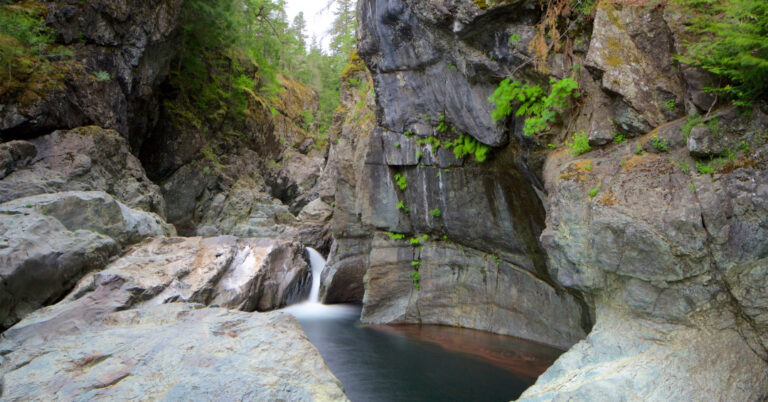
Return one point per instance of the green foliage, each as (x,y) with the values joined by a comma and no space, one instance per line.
(514,38)
(468,145)
(619,138)
(704,168)
(689,124)
(588,166)
(593,192)
(539,108)
(683,165)
(22,35)
(103,76)
(639,150)
(435,212)
(670,105)
(401,181)
(731,42)
(415,277)
(661,144)
(402,207)
(415,263)
(395,236)
(579,145)
(743,146)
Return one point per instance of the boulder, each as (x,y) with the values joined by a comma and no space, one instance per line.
(244,274)
(82,159)
(51,240)
(177,351)
(630,48)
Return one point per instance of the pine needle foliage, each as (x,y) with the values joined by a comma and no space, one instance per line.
(731,42)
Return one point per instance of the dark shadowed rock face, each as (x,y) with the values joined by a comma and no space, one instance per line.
(133,42)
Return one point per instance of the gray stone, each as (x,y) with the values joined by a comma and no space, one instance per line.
(82,159)
(465,288)
(246,274)
(702,142)
(173,352)
(673,260)
(50,241)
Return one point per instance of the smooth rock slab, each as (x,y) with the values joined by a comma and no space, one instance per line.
(170,352)
(246,274)
(49,241)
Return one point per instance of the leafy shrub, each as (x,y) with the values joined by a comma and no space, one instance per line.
(619,138)
(593,192)
(539,108)
(415,277)
(103,75)
(23,39)
(401,181)
(579,145)
(661,144)
(704,168)
(468,145)
(731,43)
(435,212)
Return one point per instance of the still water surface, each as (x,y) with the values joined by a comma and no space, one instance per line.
(421,363)
(416,363)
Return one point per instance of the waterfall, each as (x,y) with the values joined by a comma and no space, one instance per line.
(317,263)
(311,308)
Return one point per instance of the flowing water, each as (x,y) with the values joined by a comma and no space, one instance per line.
(416,363)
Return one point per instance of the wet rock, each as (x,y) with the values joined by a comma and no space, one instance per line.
(82,159)
(50,241)
(465,288)
(92,354)
(342,278)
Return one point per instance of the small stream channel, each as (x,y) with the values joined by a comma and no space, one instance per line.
(417,363)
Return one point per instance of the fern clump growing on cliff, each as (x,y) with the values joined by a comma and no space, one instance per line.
(732,43)
(539,108)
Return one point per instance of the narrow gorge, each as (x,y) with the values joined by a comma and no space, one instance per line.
(516,199)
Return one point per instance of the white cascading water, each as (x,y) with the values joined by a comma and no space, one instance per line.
(312,308)
(317,263)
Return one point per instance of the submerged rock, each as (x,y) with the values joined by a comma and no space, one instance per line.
(173,352)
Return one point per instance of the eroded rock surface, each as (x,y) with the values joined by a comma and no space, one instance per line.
(82,159)
(480,264)
(51,240)
(131,43)
(173,351)
(245,274)
(674,260)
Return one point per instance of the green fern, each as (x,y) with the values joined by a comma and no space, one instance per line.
(539,108)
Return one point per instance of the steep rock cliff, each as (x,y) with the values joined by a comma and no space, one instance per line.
(480,264)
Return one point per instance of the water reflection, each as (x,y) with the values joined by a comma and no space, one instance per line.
(427,363)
